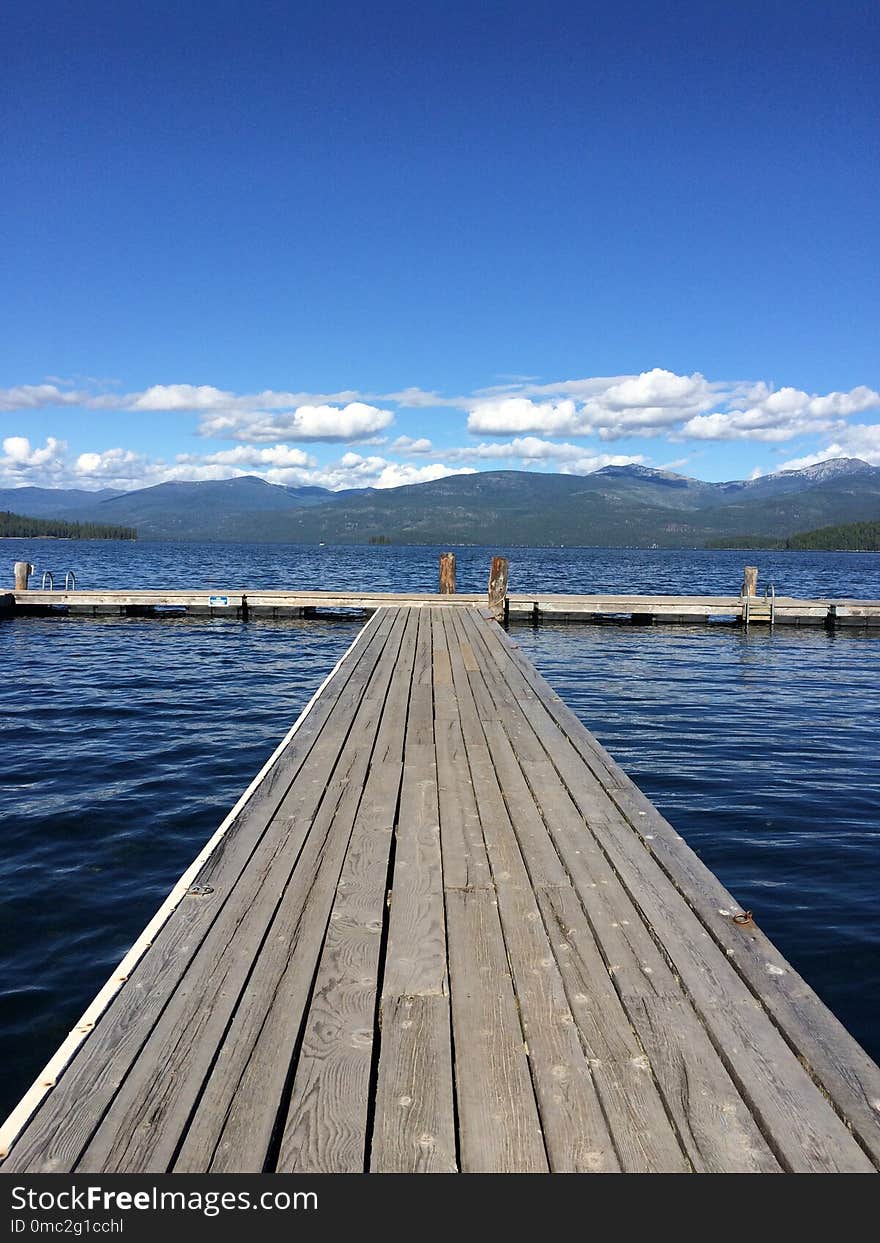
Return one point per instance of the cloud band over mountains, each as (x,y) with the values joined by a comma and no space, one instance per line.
(535,426)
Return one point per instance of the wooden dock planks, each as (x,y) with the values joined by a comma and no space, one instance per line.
(517,606)
(446,932)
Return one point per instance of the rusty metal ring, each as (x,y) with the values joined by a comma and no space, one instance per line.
(744,917)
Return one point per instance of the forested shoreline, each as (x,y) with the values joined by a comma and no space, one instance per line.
(18,526)
(845,537)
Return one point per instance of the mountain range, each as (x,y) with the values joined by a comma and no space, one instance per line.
(629,506)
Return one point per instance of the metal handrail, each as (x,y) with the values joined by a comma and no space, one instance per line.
(70,581)
(769,599)
(47,574)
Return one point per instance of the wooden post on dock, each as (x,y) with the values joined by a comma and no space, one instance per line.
(447,574)
(498,588)
(23,571)
(750,581)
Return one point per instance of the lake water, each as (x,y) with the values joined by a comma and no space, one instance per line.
(126,740)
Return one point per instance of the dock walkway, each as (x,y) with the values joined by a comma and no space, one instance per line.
(444,931)
(530,607)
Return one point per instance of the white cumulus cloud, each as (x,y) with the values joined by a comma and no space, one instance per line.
(394,474)
(179,397)
(660,402)
(36,396)
(355,471)
(643,404)
(24,463)
(279,455)
(352,422)
(406,444)
(860,440)
(509,415)
(777,415)
(530,450)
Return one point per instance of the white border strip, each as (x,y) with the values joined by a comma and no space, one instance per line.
(48,1077)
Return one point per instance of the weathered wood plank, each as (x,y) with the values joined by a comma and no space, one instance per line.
(806,1132)
(834,1058)
(524,860)
(326,1124)
(389,741)
(465,865)
(465,862)
(499,1127)
(414,1129)
(714,1124)
(611,965)
(249,853)
(327,1118)
(147,1118)
(768,1076)
(607,1012)
(469,660)
(575,1132)
(471,729)
(414,1125)
(231,1127)
(494,697)
(415,963)
(716,1127)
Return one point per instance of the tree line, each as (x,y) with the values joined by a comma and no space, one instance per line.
(847,537)
(20,527)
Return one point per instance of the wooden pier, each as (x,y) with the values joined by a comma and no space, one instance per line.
(528,607)
(444,931)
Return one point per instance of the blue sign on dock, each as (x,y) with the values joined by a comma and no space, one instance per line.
(217,602)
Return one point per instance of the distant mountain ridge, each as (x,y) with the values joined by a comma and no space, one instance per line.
(634,506)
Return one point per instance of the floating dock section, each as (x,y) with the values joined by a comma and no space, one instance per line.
(444,931)
(532,607)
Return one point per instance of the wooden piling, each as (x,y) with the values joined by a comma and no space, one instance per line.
(447,574)
(498,588)
(23,571)
(750,581)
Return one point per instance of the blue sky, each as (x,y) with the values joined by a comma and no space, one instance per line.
(380,242)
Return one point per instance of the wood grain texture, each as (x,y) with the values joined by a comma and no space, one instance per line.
(143,1126)
(232,1125)
(446,928)
(326,1121)
(447,573)
(564,1069)
(415,964)
(259,838)
(769,1076)
(414,1130)
(499,1127)
(327,1118)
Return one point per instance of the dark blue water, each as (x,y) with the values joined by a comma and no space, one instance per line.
(125,741)
(149,564)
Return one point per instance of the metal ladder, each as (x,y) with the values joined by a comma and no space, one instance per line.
(758,609)
(69,581)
